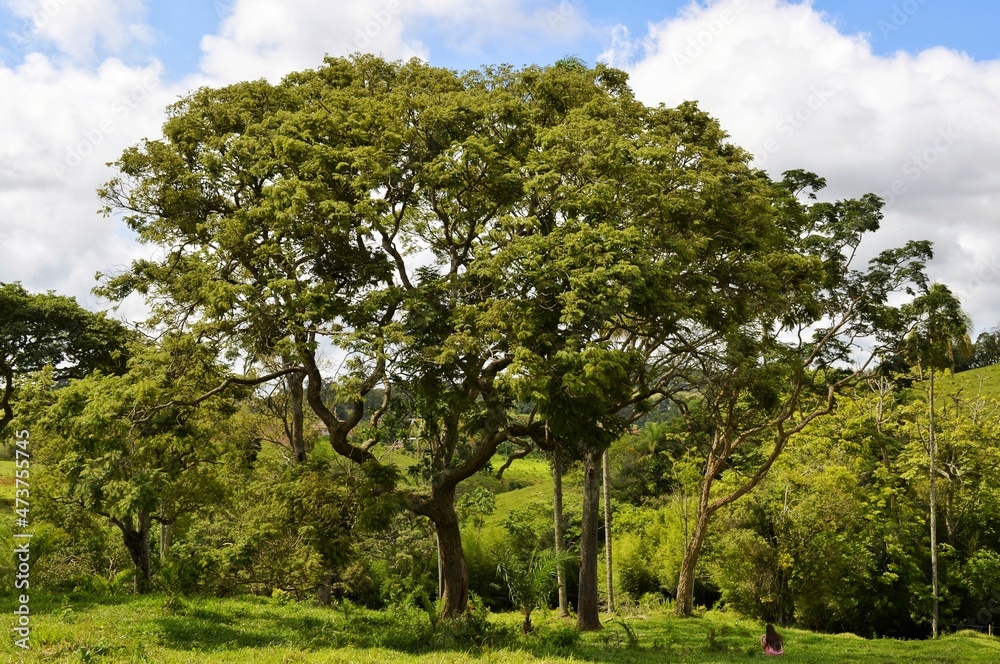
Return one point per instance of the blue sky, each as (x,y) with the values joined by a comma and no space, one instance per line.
(896,97)
(911,25)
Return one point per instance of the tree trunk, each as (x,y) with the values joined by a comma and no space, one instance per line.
(607,532)
(933,506)
(454,574)
(136,538)
(692,551)
(166,535)
(587,606)
(6,409)
(560,531)
(294,382)
(324,591)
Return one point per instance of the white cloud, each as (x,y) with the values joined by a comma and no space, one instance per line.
(474,27)
(918,129)
(262,38)
(266,39)
(59,126)
(79,28)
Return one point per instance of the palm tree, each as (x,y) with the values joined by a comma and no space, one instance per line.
(530,579)
(942,328)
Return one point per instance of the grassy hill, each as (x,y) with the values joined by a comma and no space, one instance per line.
(160,629)
(984,381)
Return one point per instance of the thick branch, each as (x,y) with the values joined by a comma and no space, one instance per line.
(232,380)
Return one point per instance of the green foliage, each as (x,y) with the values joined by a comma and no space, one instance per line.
(289,527)
(835,539)
(985,352)
(642,464)
(942,329)
(45,329)
(131,448)
(649,543)
(530,579)
(402,561)
(475,506)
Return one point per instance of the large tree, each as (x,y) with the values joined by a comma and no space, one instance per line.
(345,204)
(39,329)
(810,328)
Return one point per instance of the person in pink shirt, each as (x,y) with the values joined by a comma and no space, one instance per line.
(771,642)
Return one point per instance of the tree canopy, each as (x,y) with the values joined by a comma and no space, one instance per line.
(39,329)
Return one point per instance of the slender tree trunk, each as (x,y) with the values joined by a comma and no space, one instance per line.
(587,606)
(440,562)
(453,573)
(166,535)
(932,443)
(560,531)
(166,530)
(296,393)
(685,583)
(608,558)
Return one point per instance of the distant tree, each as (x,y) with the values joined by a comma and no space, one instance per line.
(986,351)
(39,329)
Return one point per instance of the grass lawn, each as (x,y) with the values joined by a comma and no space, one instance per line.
(157,629)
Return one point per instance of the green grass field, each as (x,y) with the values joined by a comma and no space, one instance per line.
(157,629)
(6,482)
(984,381)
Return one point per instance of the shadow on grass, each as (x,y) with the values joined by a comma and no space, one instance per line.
(199,628)
(187,633)
(408,631)
(51,603)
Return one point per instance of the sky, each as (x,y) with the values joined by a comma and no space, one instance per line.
(896,97)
